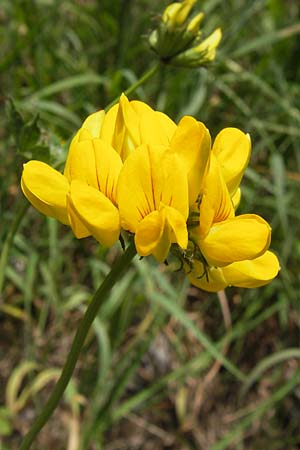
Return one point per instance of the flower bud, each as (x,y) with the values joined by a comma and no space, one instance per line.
(176,13)
(193,26)
(201,54)
(177,39)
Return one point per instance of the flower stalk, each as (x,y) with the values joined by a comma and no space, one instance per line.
(114,275)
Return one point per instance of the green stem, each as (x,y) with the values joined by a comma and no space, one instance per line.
(148,74)
(116,271)
(9,240)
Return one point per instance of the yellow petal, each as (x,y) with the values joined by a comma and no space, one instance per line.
(232,148)
(156,128)
(96,212)
(177,226)
(126,134)
(216,204)
(176,13)
(254,273)
(243,237)
(93,123)
(149,232)
(245,274)
(108,166)
(150,176)
(194,23)
(191,141)
(109,123)
(211,280)
(236,198)
(209,45)
(46,189)
(81,164)
(121,125)
(90,129)
(97,164)
(83,134)
(157,231)
(139,107)
(78,228)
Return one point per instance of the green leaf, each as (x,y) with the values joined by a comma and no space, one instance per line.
(29,135)
(40,152)
(266,40)
(237,431)
(5,423)
(16,120)
(15,381)
(267,363)
(69,83)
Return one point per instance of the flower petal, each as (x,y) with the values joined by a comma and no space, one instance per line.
(211,280)
(96,212)
(157,231)
(150,176)
(97,164)
(121,126)
(156,128)
(177,226)
(254,273)
(192,143)
(126,134)
(209,45)
(93,123)
(81,163)
(46,189)
(108,167)
(216,204)
(245,274)
(243,237)
(149,232)
(78,228)
(139,107)
(90,129)
(232,148)
(236,198)
(109,123)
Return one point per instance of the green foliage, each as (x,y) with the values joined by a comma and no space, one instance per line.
(160,366)
(27,135)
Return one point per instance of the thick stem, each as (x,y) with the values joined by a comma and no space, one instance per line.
(116,271)
(148,74)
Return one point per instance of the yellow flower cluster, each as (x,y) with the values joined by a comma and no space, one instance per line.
(178,40)
(134,169)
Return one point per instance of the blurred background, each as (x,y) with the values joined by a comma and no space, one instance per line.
(146,378)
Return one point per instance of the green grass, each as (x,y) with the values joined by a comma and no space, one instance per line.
(149,375)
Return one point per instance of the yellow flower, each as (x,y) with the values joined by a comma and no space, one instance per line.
(226,249)
(221,236)
(153,200)
(246,274)
(85,196)
(134,168)
(136,123)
